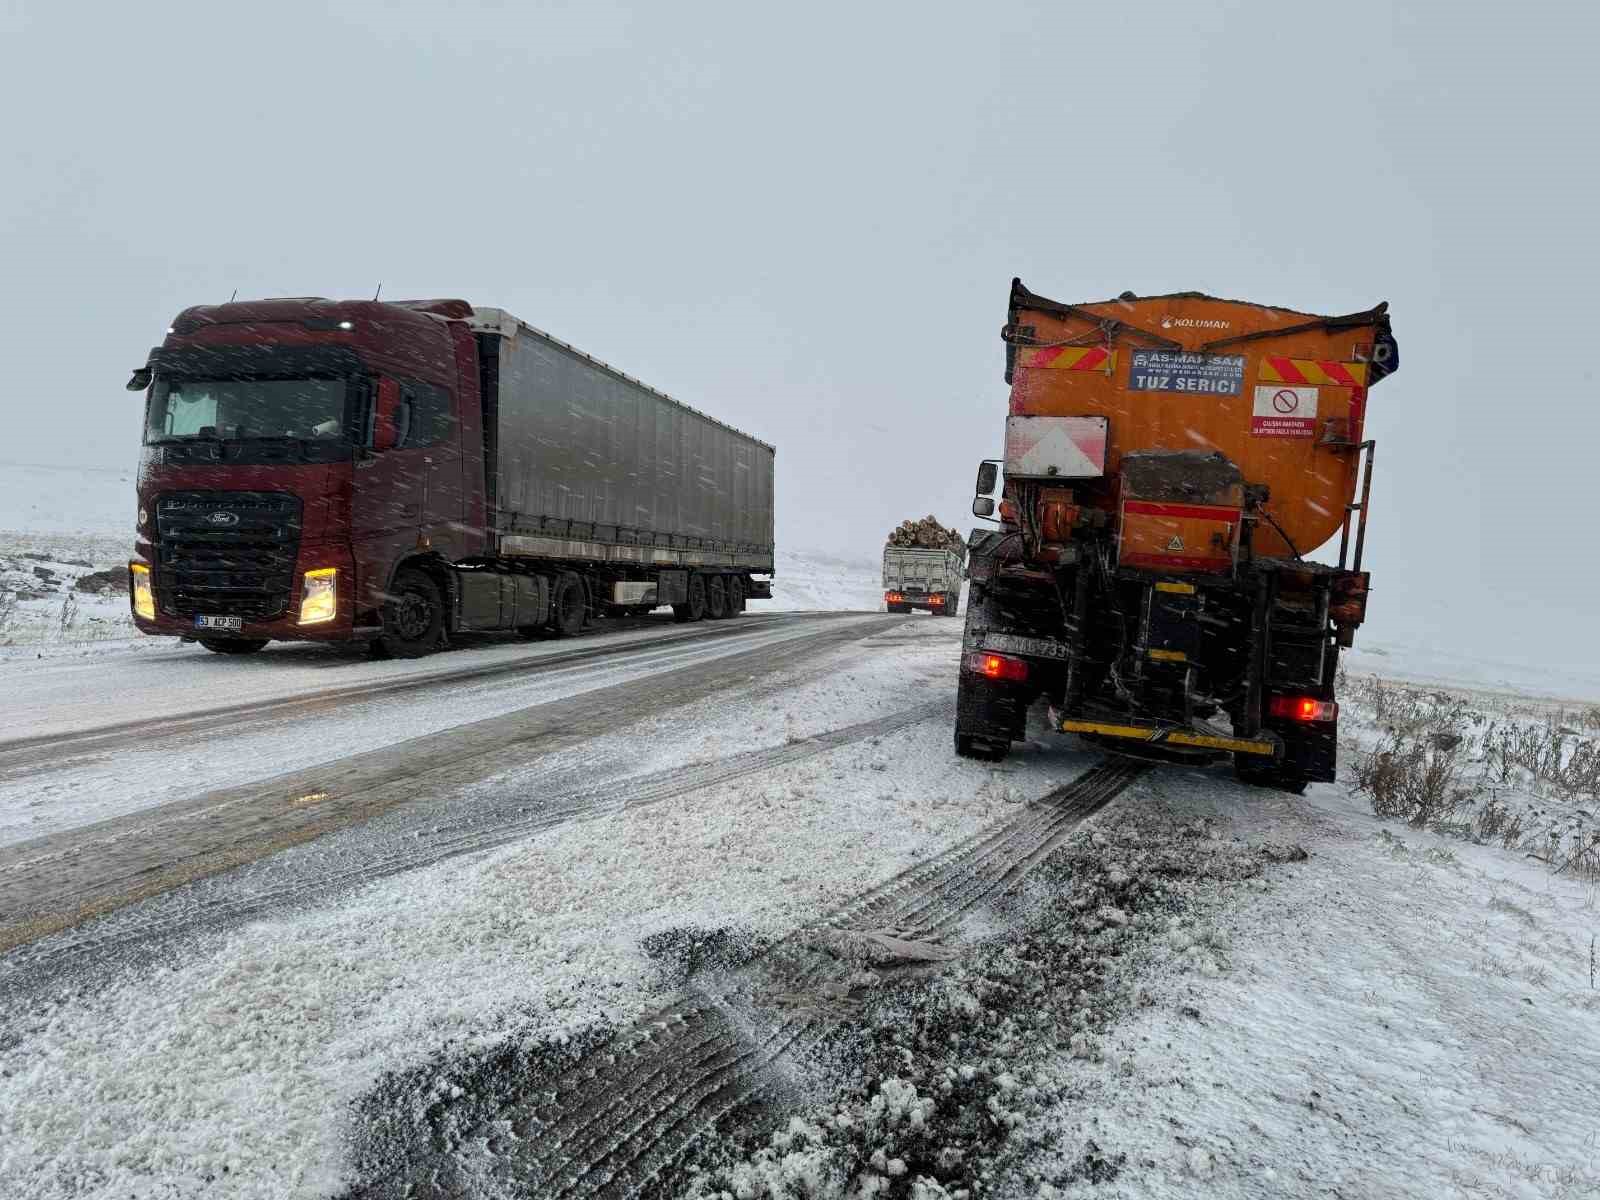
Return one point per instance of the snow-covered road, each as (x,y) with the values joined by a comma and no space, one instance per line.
(525,920)
(90,740)
(211,1038)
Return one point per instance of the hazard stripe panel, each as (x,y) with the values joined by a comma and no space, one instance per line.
(1177,737)
(1275,369)
(1072,358)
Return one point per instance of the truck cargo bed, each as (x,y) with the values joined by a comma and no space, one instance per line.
(586,462)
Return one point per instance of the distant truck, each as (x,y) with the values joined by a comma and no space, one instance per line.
(335,471)
(1170,464)
(916,577)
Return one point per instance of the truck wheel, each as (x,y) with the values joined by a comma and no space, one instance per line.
(1249,770)
(695,609)
(413,617)
(735,595)
(981,730)
(968,746)
(567,613)
(717,597)
(233,645)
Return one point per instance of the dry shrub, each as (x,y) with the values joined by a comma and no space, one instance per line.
(1418,771)
(1420,780)
(1553,754)
(1496,822)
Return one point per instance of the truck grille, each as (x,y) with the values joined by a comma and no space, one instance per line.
(226,553)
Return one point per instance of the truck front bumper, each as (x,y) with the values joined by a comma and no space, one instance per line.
(285,627)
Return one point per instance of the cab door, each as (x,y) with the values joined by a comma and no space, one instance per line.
(435,429)
(390,481)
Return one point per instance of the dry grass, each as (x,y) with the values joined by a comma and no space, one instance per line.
(1443,763)
(1418,771)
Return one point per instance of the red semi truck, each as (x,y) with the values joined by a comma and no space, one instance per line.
(319,470)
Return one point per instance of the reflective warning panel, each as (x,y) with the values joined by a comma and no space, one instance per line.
(1056,447)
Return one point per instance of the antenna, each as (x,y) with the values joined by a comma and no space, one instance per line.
(233,297)
(378,293)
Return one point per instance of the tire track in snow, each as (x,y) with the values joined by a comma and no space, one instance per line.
(20,757)
(66,879)
(610,1124)
(580,804)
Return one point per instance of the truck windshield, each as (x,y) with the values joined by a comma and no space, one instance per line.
(229,409)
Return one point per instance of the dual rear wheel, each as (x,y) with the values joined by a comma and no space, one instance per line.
(711,597)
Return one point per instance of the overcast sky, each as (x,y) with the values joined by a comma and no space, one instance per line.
(804,219)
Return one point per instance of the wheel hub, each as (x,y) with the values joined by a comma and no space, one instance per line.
(412,616)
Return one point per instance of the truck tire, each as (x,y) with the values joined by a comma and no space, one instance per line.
(735,595)
(569,606)
(980,730)
(989,716)
(695,609)
(233,645)
(1251,771)
(717,597)
(413,617)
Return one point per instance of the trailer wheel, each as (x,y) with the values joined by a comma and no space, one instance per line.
(233,645)
(413,617)
(717,597)
(735,595)
(567,613)
(695,609)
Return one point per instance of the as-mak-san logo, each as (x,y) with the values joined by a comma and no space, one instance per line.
(1194,323)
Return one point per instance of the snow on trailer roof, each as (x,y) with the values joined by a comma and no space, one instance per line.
(498,320)
(1023,297)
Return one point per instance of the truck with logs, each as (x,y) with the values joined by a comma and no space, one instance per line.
(923,568)
(395,472)
(1171,464)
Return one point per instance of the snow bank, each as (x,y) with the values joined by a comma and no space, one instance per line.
(42,500)
(812,580)
(1498,672)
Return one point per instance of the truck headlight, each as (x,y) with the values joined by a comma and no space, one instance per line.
(319,597)
(144,597)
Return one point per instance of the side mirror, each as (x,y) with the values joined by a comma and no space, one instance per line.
(385,415)
(141,379)
(983,506)
(988,473)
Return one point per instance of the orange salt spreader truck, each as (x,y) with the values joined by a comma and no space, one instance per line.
(1171,462)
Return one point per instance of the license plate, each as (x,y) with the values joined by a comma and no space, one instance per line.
(233,623)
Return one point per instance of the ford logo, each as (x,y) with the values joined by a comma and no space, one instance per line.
(223,518)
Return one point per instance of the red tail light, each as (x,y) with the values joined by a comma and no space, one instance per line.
(997,666)
(892,597)
(936,600)
(1302,708)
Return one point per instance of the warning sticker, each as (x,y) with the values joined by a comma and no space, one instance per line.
(1284,411)
(1182,371)
(1176,544)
